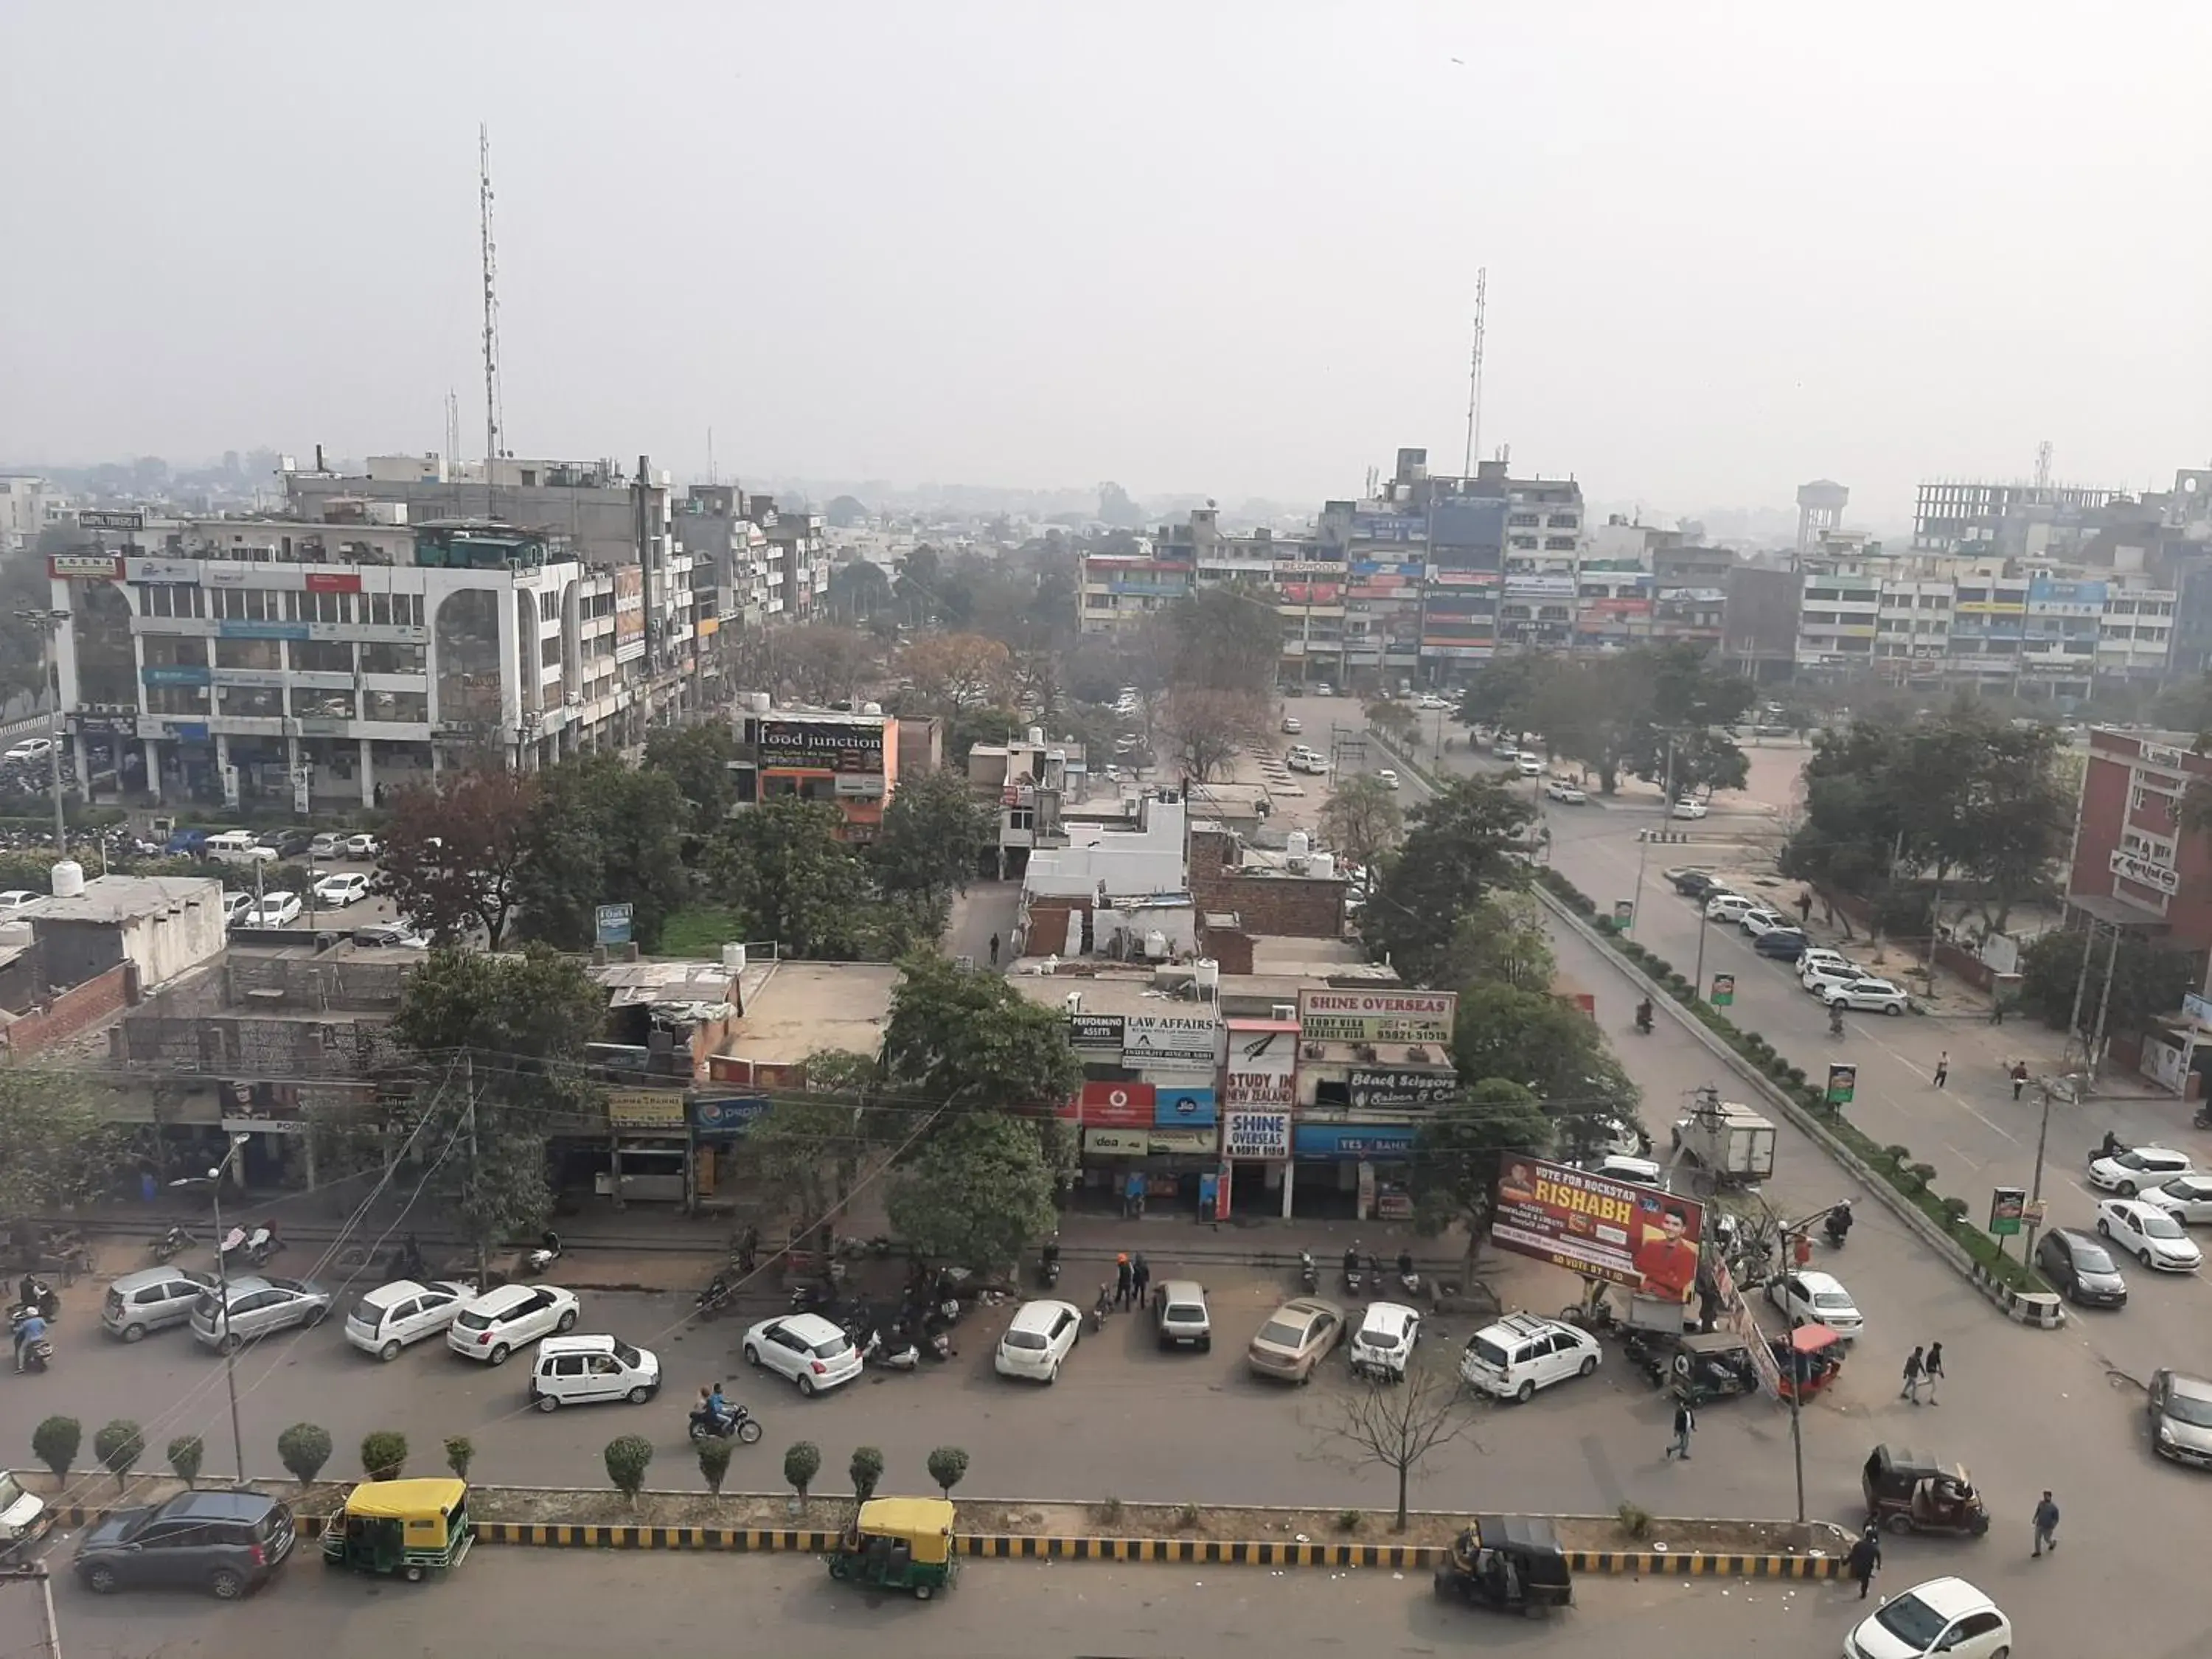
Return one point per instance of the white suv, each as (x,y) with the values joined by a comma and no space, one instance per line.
(1521,1353)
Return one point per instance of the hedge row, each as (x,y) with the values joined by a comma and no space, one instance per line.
(1913,1181)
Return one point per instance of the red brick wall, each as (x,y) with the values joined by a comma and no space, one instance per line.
(77,1009)
(1230,947)
(1299,907)
(1047,934)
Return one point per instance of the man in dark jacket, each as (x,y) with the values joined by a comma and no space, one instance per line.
(1865,1560)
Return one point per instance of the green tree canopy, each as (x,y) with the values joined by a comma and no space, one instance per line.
(2147,983)
(780,865)
(1456,852)
(957,1034)
(1226,637)
(1362,819)
(809,1148)
(1502,939)
(698,759)
(57,1146)
(934,835)
(1543,1042)
(979,1193)
(603,832)
(1456,1151)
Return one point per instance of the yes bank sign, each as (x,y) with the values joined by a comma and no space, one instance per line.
(1255,1134)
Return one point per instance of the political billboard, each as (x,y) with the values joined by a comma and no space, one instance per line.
(1601,1228)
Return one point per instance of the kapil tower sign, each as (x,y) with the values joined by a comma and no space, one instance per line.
(1329,1016)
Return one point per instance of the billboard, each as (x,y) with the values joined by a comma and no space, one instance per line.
(822,745)
(629,613)
(1389,527)
(1095,1034)
(88,565)
(1376,1086)
(1470,522)
(1176,1107)
(1327,1015)
(1255,1133)
(1184,1040)
(1598,1227)
(1261,1057)
(1117,1105)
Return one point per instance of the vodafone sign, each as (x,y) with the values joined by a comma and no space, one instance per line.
(1117,1105)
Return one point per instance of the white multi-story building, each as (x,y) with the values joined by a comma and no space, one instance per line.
(1915,621)
(2134,640)
(28,504)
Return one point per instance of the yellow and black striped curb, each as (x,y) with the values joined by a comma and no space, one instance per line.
(1009,1546)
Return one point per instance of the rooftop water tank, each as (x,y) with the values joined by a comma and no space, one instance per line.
(758,701)
(1297,843)
(1209,979)
(733,958)
(1036,737)
(875,709)
(1155,946)
(1324,867)
(68,877)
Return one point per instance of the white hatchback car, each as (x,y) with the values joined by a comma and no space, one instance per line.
(1831,974)
(2128,1171)
(1386,778)
(335,892)
(1571,794)
(1687,809)
(1521,1353)
(1817,1298)
(815,1354)
(492,1326)
(2185,1198)
(1038,1340)
(1759,920)
(16,900)
(362,846)
(1728,907)
(1948,1616)
(585,1370)
(1384,1341)
(1529,767)
(2148,1234)
(389,1317)
(273,910)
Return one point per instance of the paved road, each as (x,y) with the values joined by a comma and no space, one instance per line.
(548,1605)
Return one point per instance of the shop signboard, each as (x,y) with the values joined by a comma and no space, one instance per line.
(110,518)
(1176,1107)
(1381,1086)
(1616,1231)
(611,923)
(1182,1141)
(1261,1062)
(1343,1140)
(85,565)
(1120,1143)
(820,746)
(268,1109)
(645,1109)
(2143,873)
(1117,1105)
(1170,1040)
(333,581)
(2006,1206)
(1389,527)
(1095,1034)
(1255,1134)
(1326,1015)
(164,572)
(727,1117)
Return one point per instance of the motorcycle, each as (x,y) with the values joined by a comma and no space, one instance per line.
(1309,1274)
(547,1253)
(231,1252)
(2202,1120)
(735,1423)
(35,1295)
(1644,1018)
(817,1296)
(899,1353)
(1351,1277)
(37,1353)
(1049,1264)
(1409,1281)
(1102,1307)
(712,1301)
(262,1244)
(172,1245)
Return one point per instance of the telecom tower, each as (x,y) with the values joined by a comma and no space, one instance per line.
(1474,375)
(1820,506)
(490,321)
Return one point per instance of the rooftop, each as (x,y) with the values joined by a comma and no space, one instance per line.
(1121,992)
(126,898)
(800,1008)
(1333,958)
(705,985)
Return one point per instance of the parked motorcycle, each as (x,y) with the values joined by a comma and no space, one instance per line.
(1409,1281)
(1351,1272)
(1102,1307)
(713,1301)
(1048,1262)
(262,1244)
(898,1353)
(172,1245)
(737,1423)
(1309,1273)
(547,1253)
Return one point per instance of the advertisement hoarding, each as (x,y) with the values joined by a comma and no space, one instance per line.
(1377,1086)
(1170,1040)
(645,1109)
(822,746)
(1117,1105)
(1598,1227)
(1326,1015)
(1178,1107)
(1255,1133)
(1262,1055)
(1095,1034)
(91,566)
(629,613)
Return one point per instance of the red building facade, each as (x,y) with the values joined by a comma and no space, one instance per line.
(2133,865)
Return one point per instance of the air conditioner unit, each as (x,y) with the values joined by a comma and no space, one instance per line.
(1286,1011)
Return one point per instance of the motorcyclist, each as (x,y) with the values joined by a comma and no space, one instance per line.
(30,1327)
(1049,1257)
(2108,1147)
(1351,1260)
(1839,1221)
(1835,1020)
(1643,1015)
(718,1409)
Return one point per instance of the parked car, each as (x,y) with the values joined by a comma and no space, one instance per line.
(1514,1356)
(235,907)
(152,1299)
(1623,1166)
(1038,1340)
(327,845)
(1528,766)
(1383,1344)
(287,843)
(1948,1616)
(813,1353)
(1820,956)
(237,847)
(16,900)
(1293,725)
(1687,809)
(256,1307)
(2185,1198)
(2181,1418)
(1867,996)
(1727,906)
(273,910)
(30,748)
(1505,752)
(1761,919)
(1386,778)
(2082,1269)
(389,1317)
(2148,1234)
(1693,883)
(1323,688)
(391,935)
(228,1543)
(585,1370)
(2133,1168)
(492,1326)
(335,892)
(1180,1313)
(1570,795)
(1295,1337)
(1783,943)
(1816,1298)
(362,846)
(1431,700)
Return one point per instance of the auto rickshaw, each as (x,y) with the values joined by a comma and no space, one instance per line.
(1512,1563)
(1713,1365)
(1809,1359)
(898,1543)
(1911,1492)
(410,1528)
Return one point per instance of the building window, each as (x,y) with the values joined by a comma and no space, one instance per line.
(322,657)
(1560,543)
(252,701)
(412,707)
(1021,818)
(390,659)
(1563,521)
(1523,520)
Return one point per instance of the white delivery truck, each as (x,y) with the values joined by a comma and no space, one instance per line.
(1728,1140)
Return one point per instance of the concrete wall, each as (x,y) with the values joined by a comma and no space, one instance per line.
(165,946)
(256,1047)
(77,1009)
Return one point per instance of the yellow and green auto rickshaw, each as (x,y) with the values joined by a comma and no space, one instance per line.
(898,1543)
(406,1526)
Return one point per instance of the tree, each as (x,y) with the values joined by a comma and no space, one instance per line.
(627,1457)
(714,1461)
(957,671)
(383,1454)
(802,1461)
(506,1037)
(460,1452)
(1692,704)
(119,1446)
(57,1148)
(1226,637)
(1362,820)
(185,1455)
(56,1443)
(948,1466)
(1542,1041)
(1456,852)
(451,849)
(809,1146)
(698,758)
(859,589)
(602,833)
(1116,508)
(867,1471)
(2146,981)
(844,512)
(933,834)
(1456,1153)
(304,1448)
(914,586)
(1206,727)
(1502,939)
(822,662)
(1394,720)
(1398,1426)
(955,1034)
(780,867)
(979,1190)
(1501,692)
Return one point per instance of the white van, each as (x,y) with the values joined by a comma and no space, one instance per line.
(587,1371)
(238,846)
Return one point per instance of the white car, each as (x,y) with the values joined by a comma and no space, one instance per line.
(2148,1234)
(1867,996)
(361,847)
(31,748)
(1528,766)
(1728,907)
(335,892)
(391,1316)
(492,1326)
(1816,1298)
(327,845)
(1386,778)
(1384,1341)
(273,910)
(1429,699)
(1948,1616)
(1572,793)
(1521,1353)
(2129,1172)
(815,1354)
(584,1371)
(1505,752)
(235,907)
(1687,809)
(1323,688)
(1038,1340)
(2185,1198)
(16,900)
(1759,919)
(1820,958)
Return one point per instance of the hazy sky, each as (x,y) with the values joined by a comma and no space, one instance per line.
(1188,244)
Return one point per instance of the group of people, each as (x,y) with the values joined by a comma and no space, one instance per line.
(1132,1279)
(1864,1559)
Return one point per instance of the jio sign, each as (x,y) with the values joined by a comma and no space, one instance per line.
(1255,1134)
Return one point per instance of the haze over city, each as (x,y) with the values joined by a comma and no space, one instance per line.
(1228,249)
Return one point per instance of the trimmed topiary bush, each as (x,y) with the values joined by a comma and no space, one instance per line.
(802,1461)
(119,1446)
(56,1443)
(947,1466)
(304,1448)
(185,1452)
(460,1452)
(714,1461)
(383,1454)
(866,1469)
(627,1457)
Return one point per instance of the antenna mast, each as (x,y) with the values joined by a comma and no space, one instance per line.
(1474,374)
(490,320)
(452,426)
(2043,464)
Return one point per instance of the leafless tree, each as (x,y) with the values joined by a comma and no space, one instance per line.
(1206,727)
(1362,820)
(1398,1426)
(823,662)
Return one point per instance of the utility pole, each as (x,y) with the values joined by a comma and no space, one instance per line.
(2035,1185)
(2094,1056)
(50,624)
(223,1291)
(476,1226)
(1644,847)
(2081,990)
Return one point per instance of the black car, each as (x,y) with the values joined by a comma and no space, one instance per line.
(2081,1267)
(289,843)
(1783,944)
(228,1543)
(1694,884)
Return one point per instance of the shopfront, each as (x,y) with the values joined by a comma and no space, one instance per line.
(649,1159)
(1157,1142)
(1364,1170)
(720,1122)
(1259,1090)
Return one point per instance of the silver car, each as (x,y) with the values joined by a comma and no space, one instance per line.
(258,1307)
(152,1300)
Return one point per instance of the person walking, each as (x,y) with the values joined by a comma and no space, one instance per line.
(1865,1558)
(1915,1372)
(1140,1278)
(1124,1276)
(1997,1008)
(1685,1423)
(1943,1068)
(2019,1076)
(1805,907)
(994,950)
(2046,1525)
(1932,1369)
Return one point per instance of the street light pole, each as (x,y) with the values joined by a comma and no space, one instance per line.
(223,1291)
(1644,848)
(2035,1183)
(49,623)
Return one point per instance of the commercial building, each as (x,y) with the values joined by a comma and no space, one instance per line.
(1119,591)
(1026,783)
(2007,520)
(29,505)
(849,760)
(2134,866)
